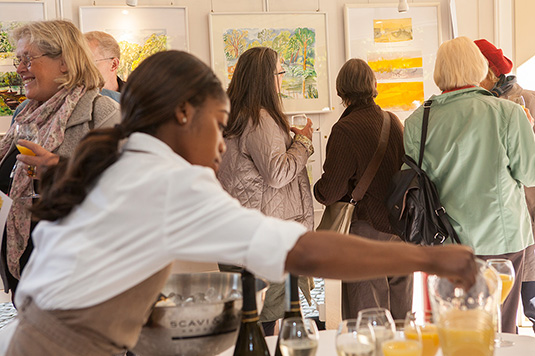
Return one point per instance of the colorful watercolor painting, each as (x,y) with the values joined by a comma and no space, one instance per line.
(136,45)
(400,96)
(396,65)
(11,89)
(140,31)
(296,49)
(392,30)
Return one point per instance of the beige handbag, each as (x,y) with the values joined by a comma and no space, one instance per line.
(337,216)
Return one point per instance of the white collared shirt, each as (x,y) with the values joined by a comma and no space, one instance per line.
(146,210)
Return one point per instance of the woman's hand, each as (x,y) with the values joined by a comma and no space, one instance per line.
(305,131)
(42,158)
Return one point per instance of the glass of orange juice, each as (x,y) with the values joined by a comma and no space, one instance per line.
(401,344)
(428,331)
(506,272)
(28,132)
(382,323)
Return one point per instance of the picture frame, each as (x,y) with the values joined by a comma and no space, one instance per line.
(305,86)
(400,47)
(140,31)
(13,14)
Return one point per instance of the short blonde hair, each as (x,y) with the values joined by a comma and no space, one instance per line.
(106,43)
(59,38)
(356,82)
(459,63)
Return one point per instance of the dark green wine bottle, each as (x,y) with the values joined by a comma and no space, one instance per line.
(293,305)
(251,341)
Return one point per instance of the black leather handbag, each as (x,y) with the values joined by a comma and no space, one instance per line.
(415,211)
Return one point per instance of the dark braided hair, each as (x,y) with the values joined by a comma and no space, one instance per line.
(161,84)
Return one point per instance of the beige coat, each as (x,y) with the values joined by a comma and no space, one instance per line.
(266,170)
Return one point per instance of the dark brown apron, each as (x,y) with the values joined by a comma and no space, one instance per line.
(108,328)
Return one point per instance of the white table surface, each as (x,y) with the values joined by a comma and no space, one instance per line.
(523,345)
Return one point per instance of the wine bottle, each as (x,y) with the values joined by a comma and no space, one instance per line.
(293,305)
(251,341)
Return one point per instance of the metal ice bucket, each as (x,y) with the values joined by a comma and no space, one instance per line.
(197,328)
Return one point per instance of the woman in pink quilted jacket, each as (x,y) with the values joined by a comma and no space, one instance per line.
(264,168)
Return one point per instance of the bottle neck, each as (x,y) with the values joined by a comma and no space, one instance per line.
(292,303)
(249,312)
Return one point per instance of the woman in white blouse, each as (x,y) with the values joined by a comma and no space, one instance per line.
(113,220)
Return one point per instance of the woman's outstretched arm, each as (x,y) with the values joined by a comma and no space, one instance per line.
(331,255)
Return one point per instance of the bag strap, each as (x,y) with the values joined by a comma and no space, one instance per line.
(423,138)
(373,166)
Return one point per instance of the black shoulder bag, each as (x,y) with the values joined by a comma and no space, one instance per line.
(414,207)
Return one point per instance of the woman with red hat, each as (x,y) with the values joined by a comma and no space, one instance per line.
(506,87)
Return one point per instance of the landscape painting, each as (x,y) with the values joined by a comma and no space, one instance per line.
(299,39)
(400,96)
(392,30)
(296,48)
(140,31)
(13,15)
(396,65)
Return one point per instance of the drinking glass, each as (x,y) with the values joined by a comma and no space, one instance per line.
(519,100)
(506,272)
(28,132)
(465,318)
(382,323)
(353,339)
(401,344)
(428,331)
(298,337)
(299,121)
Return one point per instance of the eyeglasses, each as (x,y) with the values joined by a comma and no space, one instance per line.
(281,73)
(26,60)
(103,59)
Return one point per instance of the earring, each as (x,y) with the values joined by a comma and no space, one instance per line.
(184,120)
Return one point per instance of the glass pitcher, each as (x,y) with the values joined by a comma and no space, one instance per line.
(466,319)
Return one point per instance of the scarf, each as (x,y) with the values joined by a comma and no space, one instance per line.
(51,119)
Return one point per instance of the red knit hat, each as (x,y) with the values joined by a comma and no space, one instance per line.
(499,63)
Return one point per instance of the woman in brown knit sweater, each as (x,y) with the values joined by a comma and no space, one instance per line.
(352,144)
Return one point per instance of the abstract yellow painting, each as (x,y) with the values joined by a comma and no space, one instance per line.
(400,96)
(396,65)
(392,30)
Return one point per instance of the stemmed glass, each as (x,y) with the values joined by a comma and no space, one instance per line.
(298,336)
(353,339)
(407,340)
(428,331)
(28,132)
(506,271)
(382,323)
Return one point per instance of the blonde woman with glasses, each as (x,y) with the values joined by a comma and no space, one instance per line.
(62,84)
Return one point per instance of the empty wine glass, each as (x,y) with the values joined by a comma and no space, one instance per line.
(506,272)
(353,339)
(298,336)
(28,132)
(382,323)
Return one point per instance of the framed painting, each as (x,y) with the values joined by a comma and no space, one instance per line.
(300,39)
(140,31)
(400,48)
(12,15)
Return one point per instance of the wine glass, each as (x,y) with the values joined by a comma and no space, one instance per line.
(519,99)
(28,132)
(353,339)
(298,336)
(382,323)
(428,331)
(401,343)
(298,121)
(506,271)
